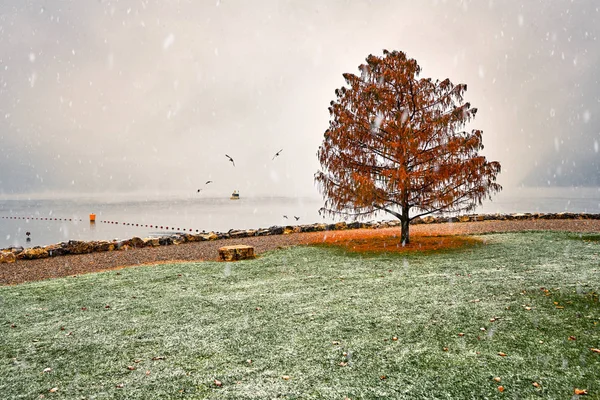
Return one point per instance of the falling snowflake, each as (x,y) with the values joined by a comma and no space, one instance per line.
(586,116)
(168,41)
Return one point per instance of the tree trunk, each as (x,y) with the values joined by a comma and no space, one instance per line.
(404,224)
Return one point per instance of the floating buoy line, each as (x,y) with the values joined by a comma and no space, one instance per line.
(152,226)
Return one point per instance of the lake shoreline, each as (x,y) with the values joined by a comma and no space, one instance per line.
(22,270)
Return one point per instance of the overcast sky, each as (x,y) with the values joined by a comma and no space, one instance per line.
(120,96)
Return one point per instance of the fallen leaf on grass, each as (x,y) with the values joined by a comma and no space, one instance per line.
(383,377)
(528,308)
(131,367)
(258,309)
(119,386)
(595,350)
(581,391)
(158,358)
(461,334)
(47,370)
(249,361)
(560,307)
(343,364)
(572,338)
(83,308)
(535,384)
(395,338)
(218,383)
(497,379)
(335,342)
(285,377)
(445,348)
(54,389)
(501,389)
(147,372)
(501,354)
(137,360)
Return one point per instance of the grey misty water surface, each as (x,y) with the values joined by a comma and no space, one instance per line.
(194,213)
(166,216)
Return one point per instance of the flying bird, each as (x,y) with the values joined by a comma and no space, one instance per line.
(230,159)
(207,182)
(199,190)
(276,154)
(297,218)
(285,216)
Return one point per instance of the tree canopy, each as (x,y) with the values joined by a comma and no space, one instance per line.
(397,143)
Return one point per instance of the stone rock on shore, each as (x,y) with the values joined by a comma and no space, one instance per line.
(56,250)
(103,245)
(7,257)
(209,236)
(314,228)
(291,229)
(78,247)
(33,253)
(134,242)
(276,230)
(151,242)
(235,253)
(238,234)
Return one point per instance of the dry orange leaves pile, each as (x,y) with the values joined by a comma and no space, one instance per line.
(388,240)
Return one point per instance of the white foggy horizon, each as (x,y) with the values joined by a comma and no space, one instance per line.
(138,97)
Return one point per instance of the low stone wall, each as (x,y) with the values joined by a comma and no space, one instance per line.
(12,254)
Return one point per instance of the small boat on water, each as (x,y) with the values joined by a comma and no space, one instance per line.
(235,195)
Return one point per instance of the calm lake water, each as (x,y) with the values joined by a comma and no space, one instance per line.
(212,214)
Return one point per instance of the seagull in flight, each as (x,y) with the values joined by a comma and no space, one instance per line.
(230,159)
(285,216)
(276,154)
(207,182)
(297,218)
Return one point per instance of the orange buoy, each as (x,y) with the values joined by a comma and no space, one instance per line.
(92,217)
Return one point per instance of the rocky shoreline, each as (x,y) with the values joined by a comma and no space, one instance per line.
(72,247)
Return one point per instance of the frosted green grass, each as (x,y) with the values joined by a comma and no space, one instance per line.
(295,312)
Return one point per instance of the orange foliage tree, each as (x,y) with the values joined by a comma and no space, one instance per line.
(396,143)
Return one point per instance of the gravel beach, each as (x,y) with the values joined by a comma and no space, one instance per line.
(53,267)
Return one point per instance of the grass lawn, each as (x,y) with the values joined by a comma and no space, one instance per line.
(317,322)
